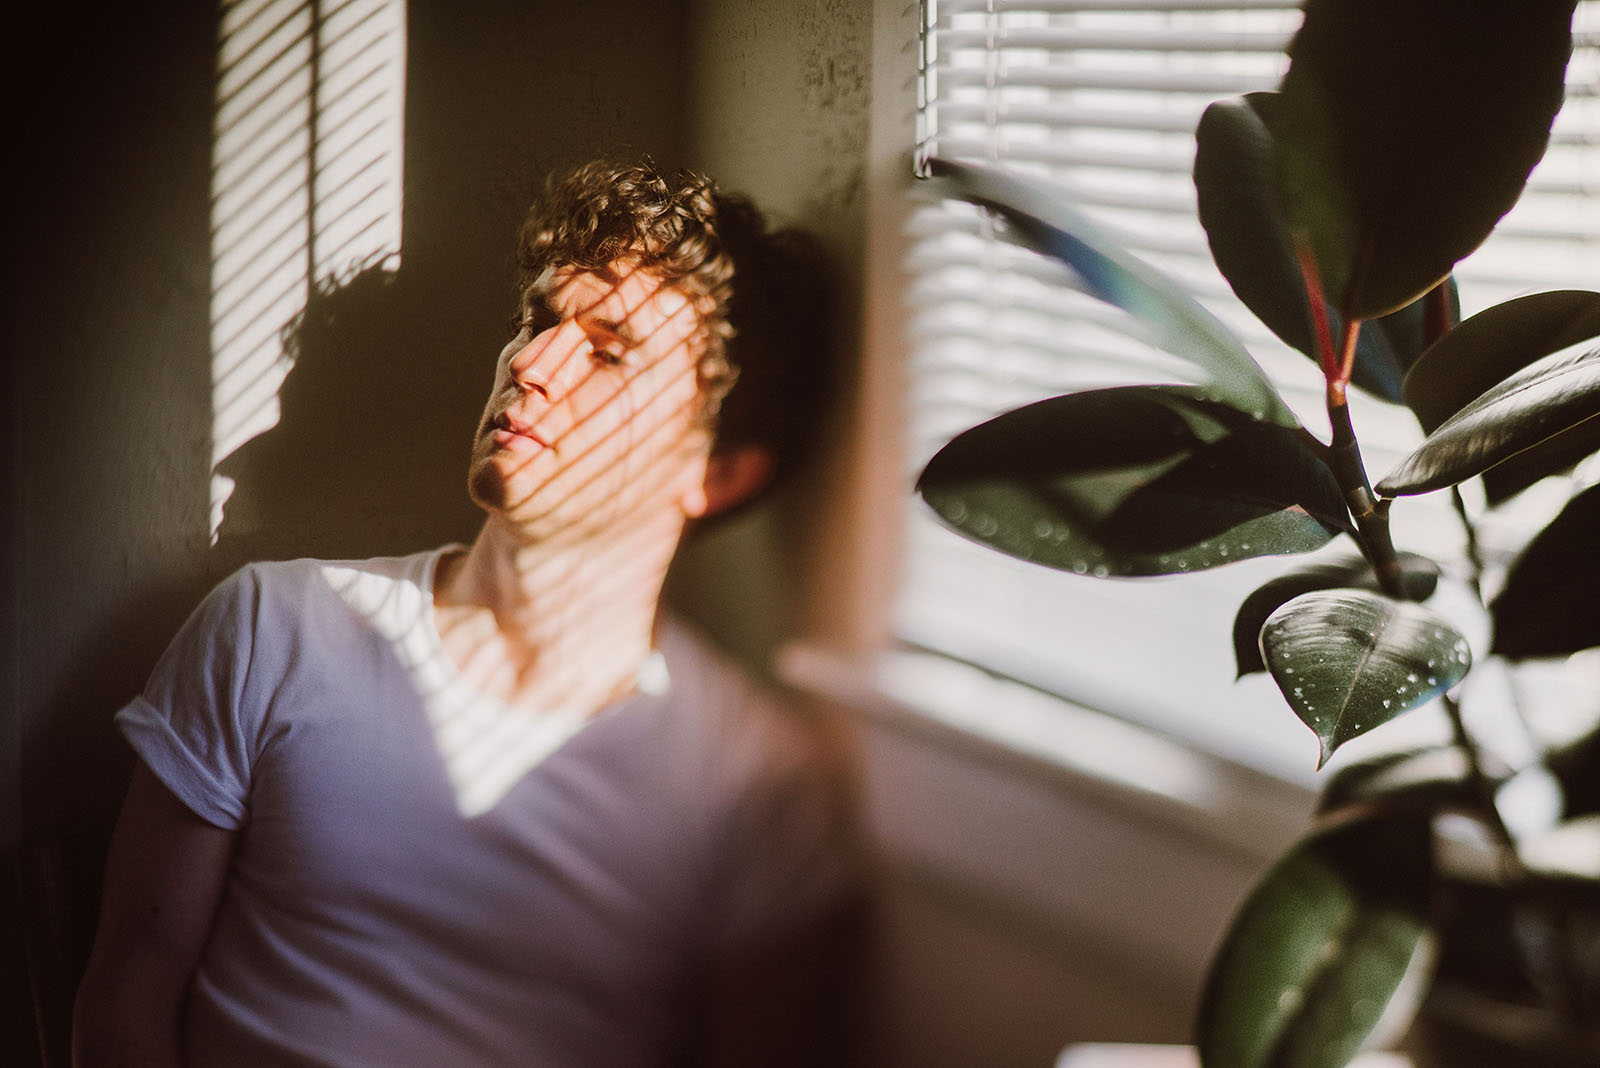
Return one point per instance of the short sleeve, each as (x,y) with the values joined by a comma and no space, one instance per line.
(195,725)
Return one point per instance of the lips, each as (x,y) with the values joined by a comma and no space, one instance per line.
(507,426)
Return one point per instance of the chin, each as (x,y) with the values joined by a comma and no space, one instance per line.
(487,488)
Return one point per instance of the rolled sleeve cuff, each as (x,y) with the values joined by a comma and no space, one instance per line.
(151,735)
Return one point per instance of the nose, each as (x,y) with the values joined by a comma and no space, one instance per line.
(540,365)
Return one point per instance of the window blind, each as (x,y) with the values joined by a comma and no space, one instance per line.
(1102,99)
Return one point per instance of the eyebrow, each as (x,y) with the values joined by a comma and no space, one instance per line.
(537,301)
(590,315)
(621,331)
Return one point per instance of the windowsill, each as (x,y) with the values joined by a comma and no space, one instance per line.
(1248,813)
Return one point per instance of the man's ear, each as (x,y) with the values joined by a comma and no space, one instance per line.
(732,477)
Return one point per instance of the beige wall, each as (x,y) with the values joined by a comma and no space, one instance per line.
(778,102)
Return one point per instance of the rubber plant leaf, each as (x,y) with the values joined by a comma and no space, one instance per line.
(1320,947)
(1351,660)
(1546,398)
(1419,573)
(1550,603)
(1238,206)
(1040,217)
(1489,346)
(1407,130)
(1134,480)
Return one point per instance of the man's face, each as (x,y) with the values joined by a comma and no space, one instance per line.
(594,413)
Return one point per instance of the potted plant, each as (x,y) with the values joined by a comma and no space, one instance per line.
(1337,207)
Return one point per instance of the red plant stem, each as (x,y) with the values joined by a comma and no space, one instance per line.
(1437,320)
(1347,351)
(1371,515)
(1319,307)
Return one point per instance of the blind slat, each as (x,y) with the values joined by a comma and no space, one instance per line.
(1043,38)
(1114,6)
(1210,83)
(1066,116)
(1149,161)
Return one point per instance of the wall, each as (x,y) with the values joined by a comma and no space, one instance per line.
(106,342)
(778,105)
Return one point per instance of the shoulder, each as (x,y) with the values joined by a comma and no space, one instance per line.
(279,599)
(297,582)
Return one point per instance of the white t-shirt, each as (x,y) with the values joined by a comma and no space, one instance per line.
(426,877)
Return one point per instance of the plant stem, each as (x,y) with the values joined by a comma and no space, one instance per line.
(1319,307)
(1344,451)
(1371,515)
(1483,787)
(1347,350)
(1473,552)
(1437,320)
(1474,578)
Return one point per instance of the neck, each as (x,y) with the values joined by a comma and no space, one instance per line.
(554,622)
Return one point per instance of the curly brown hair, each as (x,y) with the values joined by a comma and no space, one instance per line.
(602,212)
(766,372)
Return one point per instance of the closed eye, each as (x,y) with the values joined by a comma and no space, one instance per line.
(536,318)
(608,347)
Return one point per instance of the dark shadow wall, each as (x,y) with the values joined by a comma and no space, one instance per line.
(108,371)
(109,386)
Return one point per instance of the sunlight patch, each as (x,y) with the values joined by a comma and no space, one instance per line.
(306,185)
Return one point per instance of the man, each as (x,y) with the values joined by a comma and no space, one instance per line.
(484,805)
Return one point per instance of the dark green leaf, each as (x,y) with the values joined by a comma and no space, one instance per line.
(1557,454)
(1138,480)
(1233,177)
(1390,344)
(1233,168)
(1037,212)
(1407,131)
(1547,397)
(1550,605)
(1489,347)
(1573,763)
(1493,344)
(1319,948)
(1349,660)
(1429,779)
(1420,574)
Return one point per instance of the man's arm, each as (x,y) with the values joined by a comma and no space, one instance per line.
(164,877)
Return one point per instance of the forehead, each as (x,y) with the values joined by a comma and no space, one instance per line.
(625,293)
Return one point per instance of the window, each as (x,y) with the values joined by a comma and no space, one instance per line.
(1102,99)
